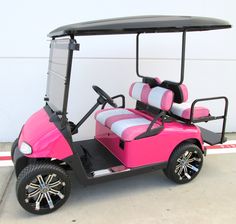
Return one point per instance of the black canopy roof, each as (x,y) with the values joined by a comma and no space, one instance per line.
(139,24)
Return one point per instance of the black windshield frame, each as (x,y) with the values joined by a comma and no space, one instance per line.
(68,46)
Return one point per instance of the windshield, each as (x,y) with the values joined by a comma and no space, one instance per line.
(58,72)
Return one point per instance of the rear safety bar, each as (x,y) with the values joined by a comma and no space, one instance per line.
(210,118)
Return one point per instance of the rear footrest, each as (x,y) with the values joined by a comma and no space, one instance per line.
(211,137)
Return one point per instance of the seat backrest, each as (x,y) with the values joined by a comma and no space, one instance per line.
(140,91)
(157,97)
(180,91)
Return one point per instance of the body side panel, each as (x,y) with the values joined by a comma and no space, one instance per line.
(150,150)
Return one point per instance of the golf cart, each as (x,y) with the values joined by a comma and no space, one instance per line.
(161,132)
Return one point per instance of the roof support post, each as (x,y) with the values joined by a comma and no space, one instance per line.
(137,56)
(183,57)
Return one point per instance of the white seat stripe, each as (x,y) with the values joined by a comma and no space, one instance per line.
(102,116)
(119,127)
(137,90)
(155,96)
(178,109)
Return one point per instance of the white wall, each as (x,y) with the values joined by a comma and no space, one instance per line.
(105,61)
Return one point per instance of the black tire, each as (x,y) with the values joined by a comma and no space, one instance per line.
(184,164)
(13,147)
(42,188)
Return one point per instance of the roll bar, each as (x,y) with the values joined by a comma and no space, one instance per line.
(182,57)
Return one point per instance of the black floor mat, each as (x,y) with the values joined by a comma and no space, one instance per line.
(98,157)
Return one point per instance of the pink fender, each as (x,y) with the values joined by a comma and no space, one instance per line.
(44,138)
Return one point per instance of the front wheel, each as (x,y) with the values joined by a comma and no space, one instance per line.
(13,148)
(184,164)
(42,188)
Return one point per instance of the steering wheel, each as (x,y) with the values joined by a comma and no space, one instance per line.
(104,96)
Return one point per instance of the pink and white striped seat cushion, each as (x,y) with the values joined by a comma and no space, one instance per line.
(124,123)
(158,97)
(184,109)
(161,98)
(139,91)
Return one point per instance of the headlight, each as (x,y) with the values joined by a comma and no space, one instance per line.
(25,148)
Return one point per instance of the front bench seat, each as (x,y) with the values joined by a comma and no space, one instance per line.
(123,122)
(130,123)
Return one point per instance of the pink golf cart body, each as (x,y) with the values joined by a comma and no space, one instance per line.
(160,132)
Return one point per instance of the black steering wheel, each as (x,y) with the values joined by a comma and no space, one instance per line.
(104,96)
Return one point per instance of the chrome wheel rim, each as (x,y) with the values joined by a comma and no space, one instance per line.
(45,191)
(188,165)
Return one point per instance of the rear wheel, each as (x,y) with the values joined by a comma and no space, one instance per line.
(42,188)
(184,164)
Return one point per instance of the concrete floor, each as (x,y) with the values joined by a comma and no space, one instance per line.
(149,198)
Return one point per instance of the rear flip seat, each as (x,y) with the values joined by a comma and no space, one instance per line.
(183,110)
(128,123)
(180,107)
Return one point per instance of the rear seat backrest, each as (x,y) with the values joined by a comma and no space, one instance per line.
(158,97)
(180,91)
(158,80)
